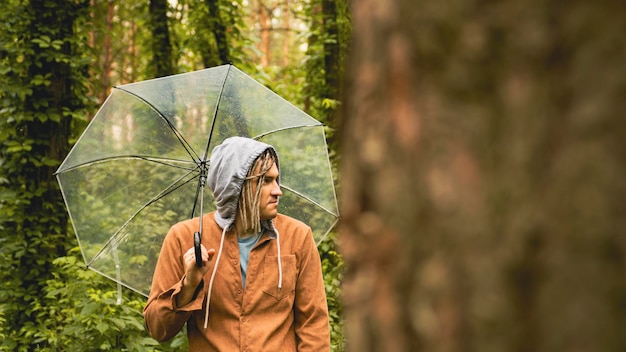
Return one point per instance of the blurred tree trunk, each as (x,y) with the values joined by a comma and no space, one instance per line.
(287,29)
(483,194)
(264,18)
(107,64)
(161,44)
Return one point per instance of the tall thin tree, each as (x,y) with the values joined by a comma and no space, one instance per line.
(219,31)
(163,62)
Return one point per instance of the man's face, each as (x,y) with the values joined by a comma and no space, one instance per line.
(270,191)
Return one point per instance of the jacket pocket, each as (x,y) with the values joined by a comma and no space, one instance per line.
(270,276)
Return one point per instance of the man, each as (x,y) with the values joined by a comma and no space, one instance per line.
(243,298)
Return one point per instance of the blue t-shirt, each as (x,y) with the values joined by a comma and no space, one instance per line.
(245,246)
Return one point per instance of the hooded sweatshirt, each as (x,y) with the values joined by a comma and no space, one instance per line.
(283,304)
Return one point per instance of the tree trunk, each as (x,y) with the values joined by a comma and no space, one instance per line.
(161,44)
(483,176)
(265,25)
(287,38)
(331,47)
(36,125)
(219,31)
(332,62)
(107,65)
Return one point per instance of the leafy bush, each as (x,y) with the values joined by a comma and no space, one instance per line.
(332,267)
(84,314)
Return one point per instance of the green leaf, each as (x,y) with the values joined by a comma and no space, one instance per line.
(89,308)
(102,327)
(118,322)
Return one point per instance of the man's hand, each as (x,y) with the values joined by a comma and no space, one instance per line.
(193,274)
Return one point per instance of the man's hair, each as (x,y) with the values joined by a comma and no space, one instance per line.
(249,199)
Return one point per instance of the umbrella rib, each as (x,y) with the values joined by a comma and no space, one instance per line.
(161,161)
(310,200)
(180,137)
(330,228)
(171,188)
(217,107)
(121,282)
(259,136)
(301,195)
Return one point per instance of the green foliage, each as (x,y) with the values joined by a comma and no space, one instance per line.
(84,313)
(47,301)
(119,48)
(333,268)
(197,33)
(53,72)
(328,43)
(329,32)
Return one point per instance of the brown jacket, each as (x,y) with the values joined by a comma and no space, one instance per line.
(257,318)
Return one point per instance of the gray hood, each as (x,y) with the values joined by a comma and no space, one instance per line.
(228,167)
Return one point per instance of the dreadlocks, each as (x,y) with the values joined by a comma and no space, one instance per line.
(248,210)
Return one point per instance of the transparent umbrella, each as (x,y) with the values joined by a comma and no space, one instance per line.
(136,170)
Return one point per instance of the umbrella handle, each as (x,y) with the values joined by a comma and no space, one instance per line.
(197,240)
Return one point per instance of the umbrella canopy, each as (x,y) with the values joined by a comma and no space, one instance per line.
(135,170)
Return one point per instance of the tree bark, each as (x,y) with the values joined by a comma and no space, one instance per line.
(287,38)
(161,44)
(482,176)
(333,61)
(107,64)
(219,31)
(265,25)
(331,47)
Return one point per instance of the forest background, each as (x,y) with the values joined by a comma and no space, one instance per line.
(482,159)
(59,61)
